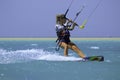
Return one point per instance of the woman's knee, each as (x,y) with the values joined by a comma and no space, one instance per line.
(64,45)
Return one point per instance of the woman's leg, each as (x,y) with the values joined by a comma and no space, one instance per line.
(76,49)
(65,46)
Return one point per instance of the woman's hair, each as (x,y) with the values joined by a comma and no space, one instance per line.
(59,17)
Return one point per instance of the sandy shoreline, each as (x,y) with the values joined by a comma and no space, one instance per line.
(46,39)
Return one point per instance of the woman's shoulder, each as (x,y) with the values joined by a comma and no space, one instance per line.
(58,26)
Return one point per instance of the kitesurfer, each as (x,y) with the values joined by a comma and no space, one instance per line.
(63,28)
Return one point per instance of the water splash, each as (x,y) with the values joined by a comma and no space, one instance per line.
(54,57)
(7,57)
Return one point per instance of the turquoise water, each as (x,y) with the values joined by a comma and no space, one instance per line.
(38,60)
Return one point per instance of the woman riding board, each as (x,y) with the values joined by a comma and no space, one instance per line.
(62,30)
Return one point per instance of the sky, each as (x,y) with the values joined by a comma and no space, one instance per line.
(37,18)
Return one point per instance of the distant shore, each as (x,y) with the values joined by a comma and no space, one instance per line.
(46,39)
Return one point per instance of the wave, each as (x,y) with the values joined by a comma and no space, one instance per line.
(17,56)
(34,44)
(94,47)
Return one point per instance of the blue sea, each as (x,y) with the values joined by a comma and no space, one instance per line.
(38,60)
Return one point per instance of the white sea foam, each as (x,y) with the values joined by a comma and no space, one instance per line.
(32,54)
(94,47)
(54,57)
(34,44)
(107,61)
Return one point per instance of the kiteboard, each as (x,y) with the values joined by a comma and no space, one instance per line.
(94,58)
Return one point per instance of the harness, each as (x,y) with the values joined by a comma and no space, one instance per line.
(63,36)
